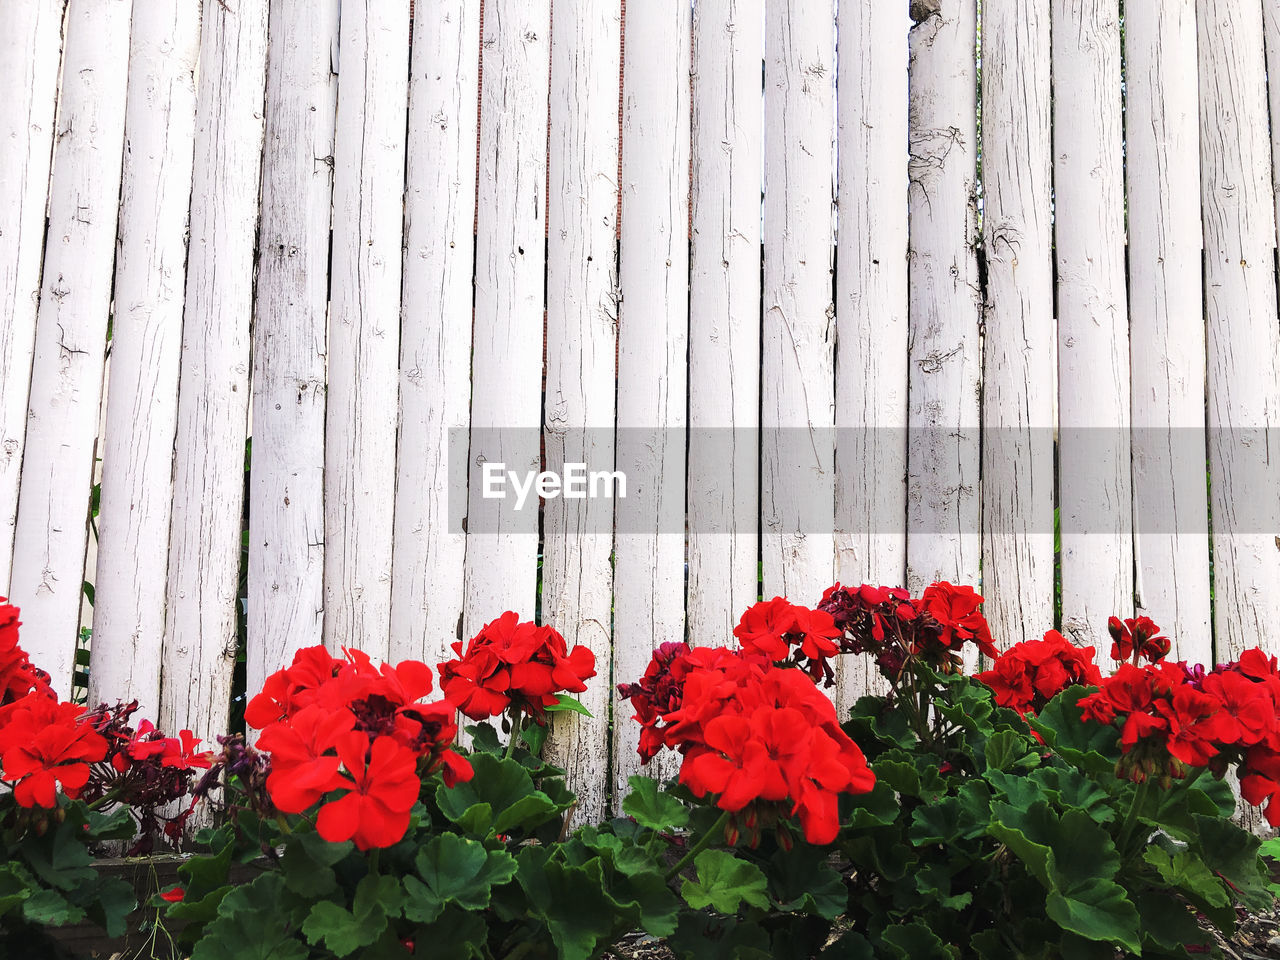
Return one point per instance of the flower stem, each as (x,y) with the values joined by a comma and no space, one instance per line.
(717,829)
(1131,819)
(515,735)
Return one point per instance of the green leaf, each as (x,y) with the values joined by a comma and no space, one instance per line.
(578,912)
(1189,875)
(534,736)
(877,808)
(649,891)
(1169,922)
(565,702)
(724,883)
(308,862)
(455,870)
(1067,787)
(703,936)
(801,881)
(16,884)
(51,909)
(484,739)
(344,931)
(500,797)
(114,900)
(1007,748)
(1233,854)
(953,818)
(1089,746)
(1099,910)
(255,921)
(915,941)
(457,933)
(650,807)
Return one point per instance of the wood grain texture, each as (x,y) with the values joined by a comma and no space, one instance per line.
(1095,499)
(362,404)
(798,354)
(871,311)
(146,356)
(724,317)
(1018,358)
(582,340)
(213,395)
(506,394)
(944,350)
(1166,322)
(290,339)
(435,330)
(71,327)
(649,579)
(1243,337)
(30,57)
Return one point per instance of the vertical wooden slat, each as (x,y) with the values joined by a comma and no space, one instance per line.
(286,485)
(649,582)
(1018,366)
(798,393)
(1095,500)
(506,394)
(871,308)
(361,408)
(1243,337)
(146,355)
(213,395)
(1170,505)
(577,572)
(435,335)
(30,54)
(66,375)
(944,507)
(724,317)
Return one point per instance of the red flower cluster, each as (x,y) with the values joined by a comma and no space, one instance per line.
(753,734)
(1031,673)
(1173,717)
(145,771)
(323,715)
(43,744)
(772,627)
(18,677)
(1137,639)
(515,666)
(894,627)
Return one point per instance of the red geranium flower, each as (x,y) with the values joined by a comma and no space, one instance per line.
(514,665)
(1137,638)
(1031,673)
(43,743)
(382,791)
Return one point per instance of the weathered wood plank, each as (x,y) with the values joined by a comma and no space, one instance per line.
(871,310)
(724,317)
(1018,362)
(506,396)
(290,337)
(944,516)
(213,395)
(66,375)
(582,340)
(30,57)
(1243,337)
(1095,499)
(146,356)
(362,408)
(435,333)
(1166,317)
(649,580)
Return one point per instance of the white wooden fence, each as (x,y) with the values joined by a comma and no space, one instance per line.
(985,270)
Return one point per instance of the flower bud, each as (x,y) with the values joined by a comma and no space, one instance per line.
(731,833)
(784,838)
